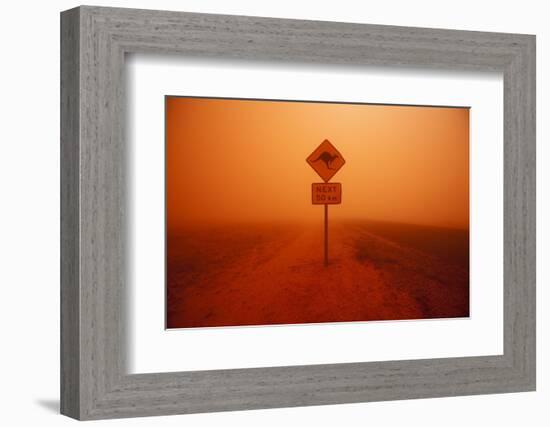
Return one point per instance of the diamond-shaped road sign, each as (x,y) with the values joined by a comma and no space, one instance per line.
(326,160)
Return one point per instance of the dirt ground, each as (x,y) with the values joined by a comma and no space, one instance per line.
(274,274)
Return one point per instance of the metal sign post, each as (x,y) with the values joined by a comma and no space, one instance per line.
(326,161)
(326,235)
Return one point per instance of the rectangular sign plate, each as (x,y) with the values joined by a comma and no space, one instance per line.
(326,193)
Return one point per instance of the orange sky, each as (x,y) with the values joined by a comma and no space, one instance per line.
(244,160)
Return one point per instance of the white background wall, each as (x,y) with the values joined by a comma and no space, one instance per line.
(29,215)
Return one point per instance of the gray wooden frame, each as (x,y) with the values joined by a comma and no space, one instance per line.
(94,382)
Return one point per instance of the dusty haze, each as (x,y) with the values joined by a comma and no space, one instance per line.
(244,160)
(245,245)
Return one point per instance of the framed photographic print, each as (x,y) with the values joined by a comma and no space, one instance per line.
(263,213)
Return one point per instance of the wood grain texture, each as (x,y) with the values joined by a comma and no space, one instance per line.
(94,380)
(70,334)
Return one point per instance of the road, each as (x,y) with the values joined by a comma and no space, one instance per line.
(275,275)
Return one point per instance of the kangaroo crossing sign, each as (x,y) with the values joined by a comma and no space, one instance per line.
(326,160)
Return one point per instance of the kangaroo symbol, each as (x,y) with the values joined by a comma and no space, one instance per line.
(326,157)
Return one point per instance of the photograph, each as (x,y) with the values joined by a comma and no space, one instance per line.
(275,213)
(283,212)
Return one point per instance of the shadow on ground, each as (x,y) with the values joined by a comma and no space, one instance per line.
(51,405)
